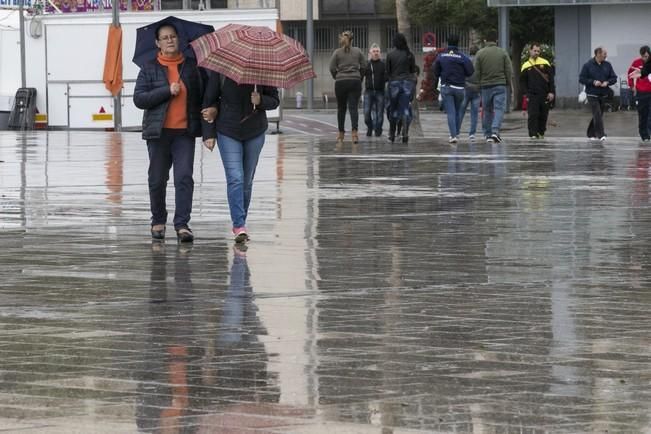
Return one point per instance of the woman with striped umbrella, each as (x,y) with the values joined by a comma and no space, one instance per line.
(249,64)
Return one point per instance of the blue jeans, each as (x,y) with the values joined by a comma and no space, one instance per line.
(472,98)
(171,150)
(374,110)
(240,159)
(453,103)
(493,100)
(401,93)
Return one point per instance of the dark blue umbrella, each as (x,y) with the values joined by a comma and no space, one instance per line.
(146,49)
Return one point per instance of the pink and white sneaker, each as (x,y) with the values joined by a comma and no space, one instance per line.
(241,235)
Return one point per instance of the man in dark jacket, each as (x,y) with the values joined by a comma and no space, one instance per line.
(597,75)
(453,67)
(376,79)
(537,83)
(170,90)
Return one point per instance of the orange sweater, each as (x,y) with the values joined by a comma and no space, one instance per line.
(177,116)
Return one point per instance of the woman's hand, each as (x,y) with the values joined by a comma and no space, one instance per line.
(255,98)
(209,114)
(209,144)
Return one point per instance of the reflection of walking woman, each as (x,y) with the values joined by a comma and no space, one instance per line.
(169,90)
(241,123)
(347,67)
(401,67)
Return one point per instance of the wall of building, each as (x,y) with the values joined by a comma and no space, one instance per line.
(572,33)
(9,46)
(622,29)
(293,10)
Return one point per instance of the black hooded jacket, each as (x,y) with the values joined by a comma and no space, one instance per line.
(236,117)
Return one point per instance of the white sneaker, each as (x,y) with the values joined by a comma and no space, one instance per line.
(471,137)
(603,138)
(593,139)
(453,139)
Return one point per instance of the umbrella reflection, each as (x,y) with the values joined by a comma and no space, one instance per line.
(114,173)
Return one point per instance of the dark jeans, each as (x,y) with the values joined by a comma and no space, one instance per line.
(171,150)
(493,101)
(453,103)
(644,114)
(374,110)
(473,99)
(538,111)
(401,92)
(348,93)
(596,127)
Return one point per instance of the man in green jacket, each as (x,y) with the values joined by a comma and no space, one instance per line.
(493,69)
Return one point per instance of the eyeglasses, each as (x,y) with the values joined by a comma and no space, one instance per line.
(168,38)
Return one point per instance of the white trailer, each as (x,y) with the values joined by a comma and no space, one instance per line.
(66,62)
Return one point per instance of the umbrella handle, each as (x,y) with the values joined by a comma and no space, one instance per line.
(255,89)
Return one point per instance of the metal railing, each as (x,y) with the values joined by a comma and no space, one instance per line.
(326,35)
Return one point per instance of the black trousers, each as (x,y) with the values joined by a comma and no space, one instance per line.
(643,113)
(538,111)
(348,93)
(171,150)
(596,127)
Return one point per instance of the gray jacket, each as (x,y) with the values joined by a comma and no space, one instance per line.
(348,65)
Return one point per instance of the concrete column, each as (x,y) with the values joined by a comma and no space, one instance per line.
(504,41)
(572,34)
(504,30)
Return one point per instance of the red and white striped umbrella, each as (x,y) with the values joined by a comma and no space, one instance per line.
(254,55)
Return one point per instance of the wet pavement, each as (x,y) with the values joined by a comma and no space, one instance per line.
(416,288)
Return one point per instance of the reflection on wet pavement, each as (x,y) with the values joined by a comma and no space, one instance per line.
(387,289)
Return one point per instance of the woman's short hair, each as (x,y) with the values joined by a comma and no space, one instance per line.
(165,25)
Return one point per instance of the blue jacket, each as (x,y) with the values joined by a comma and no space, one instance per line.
(592,71)
(452,67)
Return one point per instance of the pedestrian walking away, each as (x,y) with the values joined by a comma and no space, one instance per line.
(471,99)
(641,87)
(494,74)
(169,90)
(347,66)
(453,67)
(375,79)
(401,68)
(597,75)
(238,114)
(537,84)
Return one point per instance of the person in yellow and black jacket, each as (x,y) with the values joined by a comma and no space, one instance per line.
(537,83)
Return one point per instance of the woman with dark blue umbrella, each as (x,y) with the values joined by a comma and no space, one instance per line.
(169,89)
